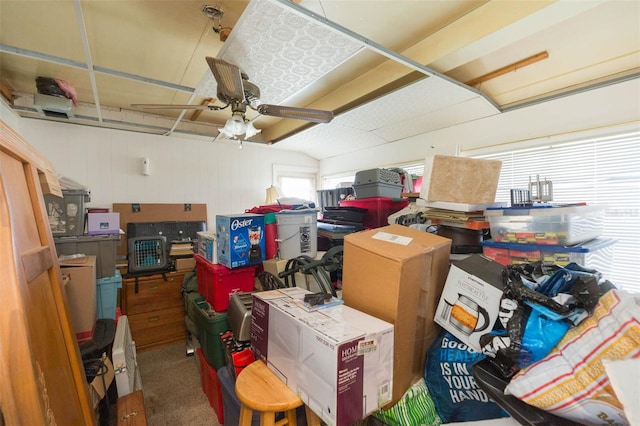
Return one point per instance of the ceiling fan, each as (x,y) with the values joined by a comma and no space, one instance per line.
(236,91)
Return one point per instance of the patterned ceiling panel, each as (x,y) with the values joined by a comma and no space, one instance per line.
(281,51)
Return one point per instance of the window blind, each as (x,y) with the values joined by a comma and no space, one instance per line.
(602,171)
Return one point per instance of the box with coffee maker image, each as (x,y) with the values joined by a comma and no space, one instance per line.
(470,301)
(240,239)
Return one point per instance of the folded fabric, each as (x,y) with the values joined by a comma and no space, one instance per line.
(571,381)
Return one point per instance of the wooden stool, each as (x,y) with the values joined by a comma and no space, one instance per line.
(258,389)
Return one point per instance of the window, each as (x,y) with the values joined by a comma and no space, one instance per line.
(296,182)
(602,171)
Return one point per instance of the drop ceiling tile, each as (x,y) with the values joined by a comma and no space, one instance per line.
(283,52)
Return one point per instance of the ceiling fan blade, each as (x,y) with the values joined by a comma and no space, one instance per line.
(313,115)
(170,106)
(228,77)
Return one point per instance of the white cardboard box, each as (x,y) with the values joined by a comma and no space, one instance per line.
(207,245)
(337,359)
(470,301)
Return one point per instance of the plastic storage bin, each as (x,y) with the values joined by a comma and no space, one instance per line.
(377,183)
(297,233)
(596,254)
(211,385)
(230,402)
(545,224)
(107,295)
(379,189)
(216,283)
(103,247)
(210,325)
(66,215)
(332,197)
(378,209)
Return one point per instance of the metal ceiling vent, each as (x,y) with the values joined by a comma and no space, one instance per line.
(53,106)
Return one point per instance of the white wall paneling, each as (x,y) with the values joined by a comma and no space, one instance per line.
(227,179)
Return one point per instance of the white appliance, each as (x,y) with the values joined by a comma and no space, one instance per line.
(124,359)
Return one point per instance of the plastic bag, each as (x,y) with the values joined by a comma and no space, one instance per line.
(572,381)
(414,408)
(450,381)
(540,303)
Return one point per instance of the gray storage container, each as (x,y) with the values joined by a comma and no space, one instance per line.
(378,189)
(67,214)
(103,247)
(377,175)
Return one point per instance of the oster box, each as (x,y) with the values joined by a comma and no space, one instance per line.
(240,239)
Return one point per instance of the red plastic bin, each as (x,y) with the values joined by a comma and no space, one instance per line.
(211,386)
(378,209)
(216,283)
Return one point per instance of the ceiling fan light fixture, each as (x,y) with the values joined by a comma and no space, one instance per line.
(251,130)
(234,126)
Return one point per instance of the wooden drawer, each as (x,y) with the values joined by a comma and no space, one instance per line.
(156,328)
(153,293)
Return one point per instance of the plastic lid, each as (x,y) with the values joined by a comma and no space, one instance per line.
(586,247)
(542,210)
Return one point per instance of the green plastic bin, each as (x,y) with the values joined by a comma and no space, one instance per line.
(210,325)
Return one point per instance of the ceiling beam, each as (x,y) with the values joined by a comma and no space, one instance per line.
(509,68)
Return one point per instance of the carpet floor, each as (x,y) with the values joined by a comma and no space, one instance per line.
(172,388)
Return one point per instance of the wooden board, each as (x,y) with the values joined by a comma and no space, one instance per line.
(136,212)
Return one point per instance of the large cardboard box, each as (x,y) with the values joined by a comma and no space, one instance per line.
(470,301)
(81,294)
(240,240)
(460,180)
(337,359)
(397,273)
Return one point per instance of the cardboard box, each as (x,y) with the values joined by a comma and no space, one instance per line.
(81,294)
(299,279)
(103,223)
(240,239)
(338,360)
(460,180)
(470,301)
(102,382)
(207,246)
(185,264)
(397,273)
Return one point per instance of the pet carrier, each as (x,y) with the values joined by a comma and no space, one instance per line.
(147,254)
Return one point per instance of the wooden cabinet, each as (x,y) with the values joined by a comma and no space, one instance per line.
(155,309)
(42,379)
